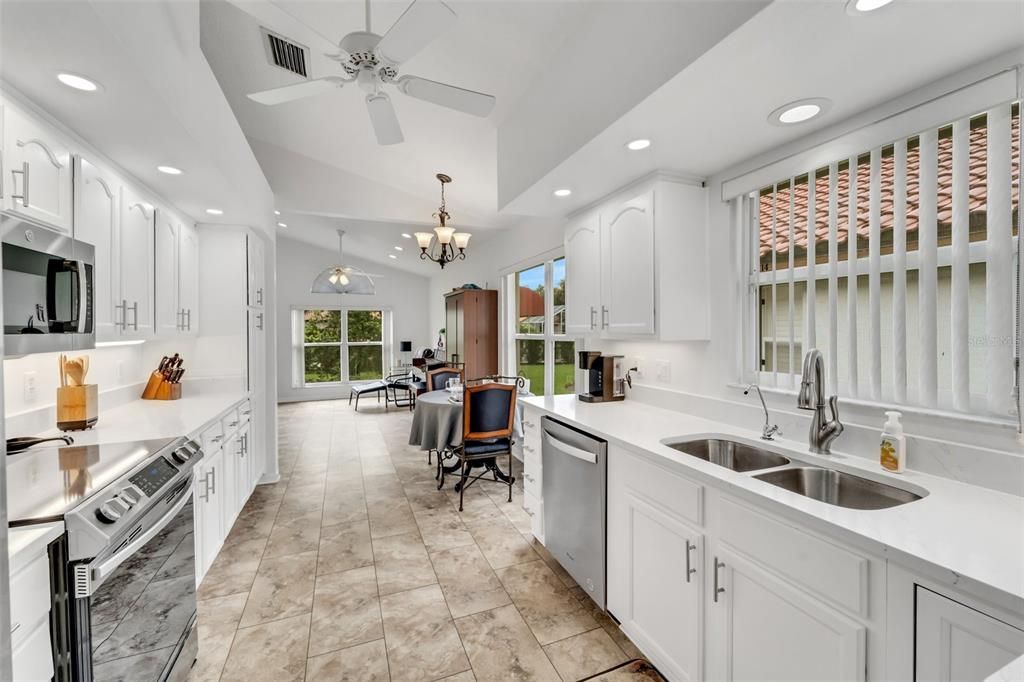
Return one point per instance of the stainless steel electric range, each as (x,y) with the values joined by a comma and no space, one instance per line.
(123,575)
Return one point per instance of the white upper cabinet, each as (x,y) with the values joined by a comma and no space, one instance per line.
(97,214)
(627,253)
(188,277)
(636,266)
(256,270)
(168,311)
(583,270)
(136,237)
(36,167)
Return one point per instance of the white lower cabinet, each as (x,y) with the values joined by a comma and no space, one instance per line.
(956,643)
(533,500)
(208,512)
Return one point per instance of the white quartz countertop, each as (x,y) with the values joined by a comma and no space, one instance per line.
(201,402)
(972,537)
(24,544)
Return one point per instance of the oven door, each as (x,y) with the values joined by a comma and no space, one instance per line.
(142,610)
(47,289)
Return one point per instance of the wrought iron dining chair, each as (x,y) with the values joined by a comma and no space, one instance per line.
(488,419)
(437,379)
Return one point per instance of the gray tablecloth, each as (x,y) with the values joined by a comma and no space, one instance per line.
(437,422)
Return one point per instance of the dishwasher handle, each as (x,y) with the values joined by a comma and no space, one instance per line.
(571,450)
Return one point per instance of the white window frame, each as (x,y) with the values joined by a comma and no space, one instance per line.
(299,344)
(511,319)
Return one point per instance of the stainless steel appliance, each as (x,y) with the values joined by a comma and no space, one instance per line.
(603,378)
(47,289)
(574,488)
(123,576)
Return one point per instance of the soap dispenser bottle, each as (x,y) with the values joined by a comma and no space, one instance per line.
(893,455)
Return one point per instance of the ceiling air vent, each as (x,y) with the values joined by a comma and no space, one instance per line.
(286,54)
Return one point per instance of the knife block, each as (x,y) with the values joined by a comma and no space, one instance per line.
(77,407)
(159,389)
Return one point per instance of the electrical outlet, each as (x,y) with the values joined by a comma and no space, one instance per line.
(28,387)
(664,370)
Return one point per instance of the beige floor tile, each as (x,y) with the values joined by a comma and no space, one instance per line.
(283,588)
(343,506)
(606,622)
(584,655)
(638,671)
(345,611)
(501,647)
(294,535)
(442,529)
(548,607)
(421,639)
(252,525)
(218,619)
(233,570)
(391,517)
(468,581)
(501,543)
(402,563)
(362,663)
(464,676)
(343,547)
(271,651)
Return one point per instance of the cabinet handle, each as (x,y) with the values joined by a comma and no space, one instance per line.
(718,590)
(529,478)
(15,628)
(124,315)
(205,494)
(604,317)
(213,484)
(529,512)
(135,316)
(689,571)
(259,296)
(259,325)
(178,317)
(24,183)
(188,316)
(217,439)
(234,423)
(593,317)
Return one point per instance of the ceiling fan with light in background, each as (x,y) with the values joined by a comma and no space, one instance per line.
(372,62)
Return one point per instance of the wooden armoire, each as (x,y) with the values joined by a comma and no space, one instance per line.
(471,330)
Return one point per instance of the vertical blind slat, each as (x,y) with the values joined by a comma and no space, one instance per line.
(874,272)
(899,275)
(775,303)
(792,287)
(833,277)
(928,273)
(851,277)
(961,265)
(810,296)
(999,275)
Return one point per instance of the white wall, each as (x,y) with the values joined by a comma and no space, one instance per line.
(405,294)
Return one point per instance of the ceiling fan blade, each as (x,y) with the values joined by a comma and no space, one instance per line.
(419,25)
(460,99)
(289,93)
(384,120)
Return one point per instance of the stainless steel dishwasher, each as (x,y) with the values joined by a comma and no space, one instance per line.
(574,473)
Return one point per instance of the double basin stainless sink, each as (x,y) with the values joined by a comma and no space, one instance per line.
(825,485)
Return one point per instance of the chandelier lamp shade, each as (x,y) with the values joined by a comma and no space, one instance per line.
(444,244)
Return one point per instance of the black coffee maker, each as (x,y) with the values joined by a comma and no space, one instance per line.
(603,378)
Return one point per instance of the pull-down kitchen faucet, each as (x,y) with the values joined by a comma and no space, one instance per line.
(812,397)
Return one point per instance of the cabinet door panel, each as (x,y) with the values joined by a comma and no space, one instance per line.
(137,225)
(583,277)
(168,309)
(627,251)
(37,167)
(96,222)
(956,643)
(188,278)
(761,628)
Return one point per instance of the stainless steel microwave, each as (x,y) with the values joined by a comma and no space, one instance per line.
(47,289)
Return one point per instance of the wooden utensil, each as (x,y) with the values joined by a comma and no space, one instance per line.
(75,368)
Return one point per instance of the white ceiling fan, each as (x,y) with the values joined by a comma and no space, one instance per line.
(372,62)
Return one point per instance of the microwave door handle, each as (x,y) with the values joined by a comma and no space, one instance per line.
(570,450)
(83,297)
(101,572)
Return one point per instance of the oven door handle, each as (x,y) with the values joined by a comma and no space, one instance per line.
(101,572)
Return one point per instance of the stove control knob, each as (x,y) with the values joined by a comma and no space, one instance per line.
(181,455)
(129,497)
(108,513)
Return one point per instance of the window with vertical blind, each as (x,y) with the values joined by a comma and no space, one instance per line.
(901,264)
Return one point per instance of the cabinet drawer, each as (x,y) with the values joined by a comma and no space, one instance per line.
(245,412)
(231,422)
(535,508)
(531,423)
(212,437)
(30,597)
(827,570)
(532,479)
(33,657)
(672,492)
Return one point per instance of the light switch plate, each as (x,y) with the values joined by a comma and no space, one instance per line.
(664,370)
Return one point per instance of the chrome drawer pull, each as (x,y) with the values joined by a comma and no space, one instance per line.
(689,571)
(529,478)
(718,590)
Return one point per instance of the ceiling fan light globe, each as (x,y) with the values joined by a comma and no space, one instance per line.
(461,239)
(424,239)
(444,234)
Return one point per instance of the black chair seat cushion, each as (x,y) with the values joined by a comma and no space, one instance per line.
(492,446)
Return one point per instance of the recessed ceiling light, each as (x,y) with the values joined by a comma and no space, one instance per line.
(398,248)
(282,225)
(391,255)
(799,111)
(407,235)
(214,211)
(563,192)
(78,82)
(864,6)
(637,145)
(170,170)
(277,213)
